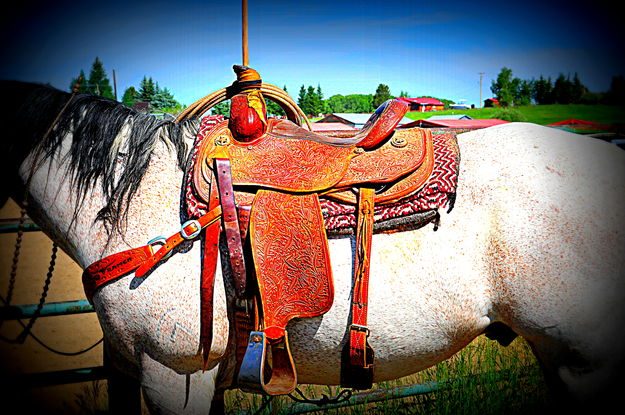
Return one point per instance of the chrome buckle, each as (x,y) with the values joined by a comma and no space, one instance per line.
(162,241)
(192,235)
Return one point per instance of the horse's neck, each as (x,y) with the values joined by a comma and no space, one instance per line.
(153,211)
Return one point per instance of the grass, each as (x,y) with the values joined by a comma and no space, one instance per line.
(484,378)
(543,114)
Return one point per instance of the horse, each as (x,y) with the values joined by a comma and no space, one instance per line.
(534,244)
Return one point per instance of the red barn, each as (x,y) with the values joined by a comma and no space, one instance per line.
(491,102)
(423,104)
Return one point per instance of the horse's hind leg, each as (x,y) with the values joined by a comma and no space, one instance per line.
(579,383)
(167,392)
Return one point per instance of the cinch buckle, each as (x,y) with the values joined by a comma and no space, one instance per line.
(194,233)
(162,241)
(358,327)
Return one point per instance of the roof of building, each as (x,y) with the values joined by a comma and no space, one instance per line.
(574,121)
(492,99)
(359,119)
(450,117)
(482,123)
(331,126)
(422,101)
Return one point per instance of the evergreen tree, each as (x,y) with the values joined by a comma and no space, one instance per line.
(163,99)
(313,102)
(578,89)
(382,93)
(130,97)
(99,83)
(147,90)
(404,94)
(301,99)
(321,103)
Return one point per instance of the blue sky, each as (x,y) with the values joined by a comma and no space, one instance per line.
(424,48)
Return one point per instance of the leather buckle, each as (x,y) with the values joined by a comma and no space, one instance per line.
(194,233)
(358,327)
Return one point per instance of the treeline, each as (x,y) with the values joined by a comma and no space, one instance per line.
(512,91)
(150,92)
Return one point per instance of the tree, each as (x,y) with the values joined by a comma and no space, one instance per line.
(563,90)
(147,90)
(301,99)
(163,99)
(223,108)
(382,93)
(336,104)
(404,94)
(315,106)
(99,83)
(130,97)
(504,87)
(274,109)
(616,94)
(542,91)
(578,89)
(523,93)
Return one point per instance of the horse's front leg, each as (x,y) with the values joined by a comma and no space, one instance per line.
(167,392)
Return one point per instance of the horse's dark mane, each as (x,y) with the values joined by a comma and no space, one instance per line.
(95,123)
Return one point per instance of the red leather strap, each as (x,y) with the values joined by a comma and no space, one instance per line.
(190,228)
(141,259)
(113,267)
(210,256)
(231,224)
(359,331)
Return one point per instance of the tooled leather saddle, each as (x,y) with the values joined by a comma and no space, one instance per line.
(259,182)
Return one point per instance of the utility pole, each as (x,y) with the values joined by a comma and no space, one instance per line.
(481,77)
(115,84)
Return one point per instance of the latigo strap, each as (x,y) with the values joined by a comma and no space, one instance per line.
(357,356)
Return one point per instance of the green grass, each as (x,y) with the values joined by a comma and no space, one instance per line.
(544,114)
(484,378)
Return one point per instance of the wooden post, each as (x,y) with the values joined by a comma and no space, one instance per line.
(246,59)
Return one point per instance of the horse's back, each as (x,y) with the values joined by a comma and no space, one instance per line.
(556,253)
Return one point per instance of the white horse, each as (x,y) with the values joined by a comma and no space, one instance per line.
(536,241)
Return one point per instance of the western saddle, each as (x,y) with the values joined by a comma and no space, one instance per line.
(259,182)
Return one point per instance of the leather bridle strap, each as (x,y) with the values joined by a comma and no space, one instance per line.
(142,259)
(357,358)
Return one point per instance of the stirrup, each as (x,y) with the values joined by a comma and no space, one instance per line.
(276,378)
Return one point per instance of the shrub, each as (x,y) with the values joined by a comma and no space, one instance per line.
(509,114)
